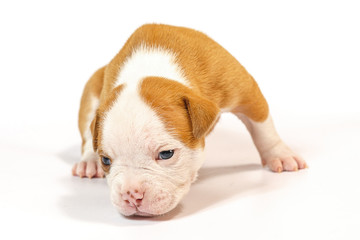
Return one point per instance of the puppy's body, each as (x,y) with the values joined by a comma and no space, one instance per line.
(160,96)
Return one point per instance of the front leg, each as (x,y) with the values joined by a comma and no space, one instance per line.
(273,151)
(89,165)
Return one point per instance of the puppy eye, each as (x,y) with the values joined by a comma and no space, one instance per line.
(106,160)
(165,155)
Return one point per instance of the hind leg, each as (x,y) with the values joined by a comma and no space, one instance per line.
(274,153)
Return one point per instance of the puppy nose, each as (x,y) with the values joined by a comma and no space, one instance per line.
(133,197)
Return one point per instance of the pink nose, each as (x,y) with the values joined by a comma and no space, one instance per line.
(133,197)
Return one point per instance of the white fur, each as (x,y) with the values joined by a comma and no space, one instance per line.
(150,61)
(129,121)
(273,151)
(133,135)
(263,133)
(88,152)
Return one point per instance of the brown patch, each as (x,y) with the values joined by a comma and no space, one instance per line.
(253,104)
(213,73)
(94,127)
(105,168)
(202,113)
(185,114)
(211,70)
(92,89)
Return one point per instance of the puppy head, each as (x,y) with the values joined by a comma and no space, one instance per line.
(150,140)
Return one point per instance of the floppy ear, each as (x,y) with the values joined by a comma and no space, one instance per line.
(203,114)
(94,127)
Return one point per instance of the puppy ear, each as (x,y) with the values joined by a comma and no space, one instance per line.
(94,127)
(203,114)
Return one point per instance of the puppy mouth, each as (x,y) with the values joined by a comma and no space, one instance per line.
(138,212)
(143,214)
(135,211)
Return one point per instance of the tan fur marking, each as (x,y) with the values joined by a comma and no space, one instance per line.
(253,104)
(202,112)
(92,89)
(186,115)
(212,71)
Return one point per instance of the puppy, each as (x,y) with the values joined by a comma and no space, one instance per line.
(144,117)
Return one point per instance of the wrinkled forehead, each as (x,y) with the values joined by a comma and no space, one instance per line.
(130,125)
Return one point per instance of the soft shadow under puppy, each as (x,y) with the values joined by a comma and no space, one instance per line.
(89,199)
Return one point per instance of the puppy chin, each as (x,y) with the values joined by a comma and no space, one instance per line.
(135,212)
(143,212)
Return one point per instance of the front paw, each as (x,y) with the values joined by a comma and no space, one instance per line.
(281,158)
(90,169)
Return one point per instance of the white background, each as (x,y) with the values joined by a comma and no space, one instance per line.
(305,56)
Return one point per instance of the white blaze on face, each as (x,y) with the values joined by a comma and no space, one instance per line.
(133,135)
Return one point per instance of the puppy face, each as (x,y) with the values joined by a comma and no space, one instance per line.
(150,141)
